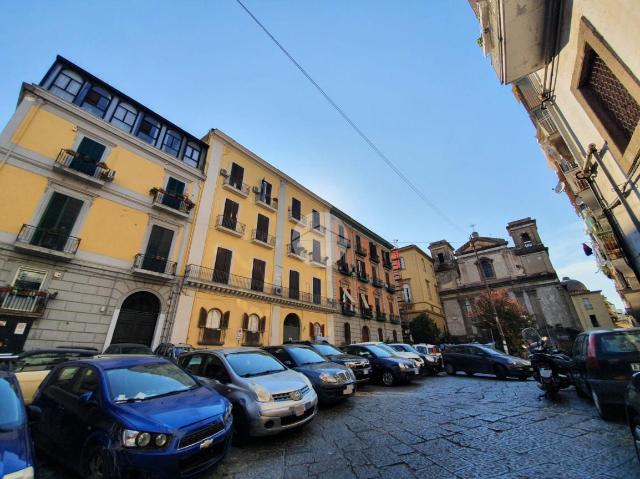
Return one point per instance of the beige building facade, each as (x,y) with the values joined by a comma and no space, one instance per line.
(590,306)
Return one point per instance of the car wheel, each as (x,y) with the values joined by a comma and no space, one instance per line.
(500,371)
(469,373)
(98,464)
(387,378)
(449,369)
(635,431)
(240,427)
(604,411)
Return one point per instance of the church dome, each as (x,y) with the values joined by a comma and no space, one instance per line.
(573,285)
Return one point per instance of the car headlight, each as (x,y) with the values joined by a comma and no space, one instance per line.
(328,378)
(227,412)
(418,362)
(261,393)
(21,474)
(403,365)
(430,359)
(133,439)
(350,365)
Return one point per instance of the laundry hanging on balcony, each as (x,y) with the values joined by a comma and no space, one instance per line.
(346,297)
(587,249)
(364,301)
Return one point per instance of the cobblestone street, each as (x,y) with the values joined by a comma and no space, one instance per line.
(444,427)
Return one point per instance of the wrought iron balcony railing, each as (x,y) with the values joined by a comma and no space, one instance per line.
(366,313)
(610,244)
(53,239)
(172,201)
(268,202)
(251,338)
(71,160)
(317,259)
(348,309)
(387,264)
(263,237)
(344,268)
(360,251)
(155,264)
(230,224)
(382,317)
(376,283)
(236,186)
(390,288)
(394,319)
(374,258)
(362,277)
(318,228)
(26,301)
(212,337)
(297,217)
(200,274)
(344,242)
(296,251)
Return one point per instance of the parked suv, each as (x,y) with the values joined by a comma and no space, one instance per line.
(386,367)
(603,362)
(432,363)
(267,397)
(358,365)
(476,358)
(332,382)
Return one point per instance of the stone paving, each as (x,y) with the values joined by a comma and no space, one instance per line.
(445,427)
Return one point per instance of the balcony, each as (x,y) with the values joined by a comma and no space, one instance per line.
(376,283)
(394,319)
(610,245)
(229,283)
(344,242)
(317,260)
(79,166)
(175,204)
(235,186)
(343,268)
(382,317)
(154,266)
(251,338)
(581,185)
(362,277)
(360,251)
(348,309)
(366,313)
(230,225)
(296,251)
(269,203)
(390,288)
(318,229)
(263,238)
(296,217)
(211,336)
(46,242)
(387,264)
(24,302)
(374,258)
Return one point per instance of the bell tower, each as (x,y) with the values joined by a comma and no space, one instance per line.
(525,235)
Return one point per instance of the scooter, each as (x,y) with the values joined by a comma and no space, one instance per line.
(550,365)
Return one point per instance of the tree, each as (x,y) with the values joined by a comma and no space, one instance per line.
(512,315)
(424,329)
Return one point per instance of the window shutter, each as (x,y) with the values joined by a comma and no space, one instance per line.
(90,150)
(311,328)
(322,329)
(224,322)
(263,324)
(245,321)
(202,320)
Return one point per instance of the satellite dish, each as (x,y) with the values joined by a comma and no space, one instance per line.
(560,187)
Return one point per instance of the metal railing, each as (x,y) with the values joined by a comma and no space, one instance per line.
(318,259)
(376,283)
(48,238)
(297,217)
(343,268)
(231,224)
(382,317)
(176,202)
(295,249)
(348,309)
(390,288)
(24,300)
(360,251)
(240,187)
(157,264)
(209,275)
(263,237)
(251,338)
(319,228)
(610,244)
(387,264)
(271,202)
(581,185)
(344,242)
(362,277)
(366,313)
(212,337)
(374,258)
(394,319)
(74,161)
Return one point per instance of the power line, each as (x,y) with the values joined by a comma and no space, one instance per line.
(351,123)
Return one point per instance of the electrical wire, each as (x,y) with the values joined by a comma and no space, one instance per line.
(351,123)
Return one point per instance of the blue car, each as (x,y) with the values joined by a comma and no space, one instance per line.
(130,417)
(16,455)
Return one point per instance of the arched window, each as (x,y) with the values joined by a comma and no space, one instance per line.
(253,323)
(526,240)
(365,334)
(317,330)
(347,333)
(214,317)
(440,258)
(395,336)
(96,101)
(380,335)
(67,85)
(486,267)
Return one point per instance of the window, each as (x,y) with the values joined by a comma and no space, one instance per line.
(192,155)
(428,285)
(253,323)
(365,334)
(486,268)
(222,265)
(315,219)
(237,176)
(172,142)
(149,130)
(213,325)
(594,321)
(341,231)
(347,333)
(257,275)
(262,228)
(89,382)
(124,117)
(586,302)
(526,240)
(362,270)
(158,249)
(230,214)
(358,242)
(380,335)
(296,208)
(406,293)
(387,279)
(403,265)
(316,253)
(65,378)
(294,284)
(56,224)
(373,251)
(440,258)
(214,316)
(29,279)
(377,305)
(265,192)
(317,290)
(391,306)
(174,194)
(395,336)
(67,85)
(295,242)
(96,101)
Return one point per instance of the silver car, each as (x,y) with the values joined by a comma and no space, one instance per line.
(267,397)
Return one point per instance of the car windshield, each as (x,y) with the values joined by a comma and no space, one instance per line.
(304,356)
(254,363)
(380,352)
(387,348)
(12,411)
(405,348)
(422,349)
(619,343)
(146,381)
(489,350)
(327,349)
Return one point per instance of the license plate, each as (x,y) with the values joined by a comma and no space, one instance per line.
(365,371)
(545,373)
(298,410)
(635,366)
(348,389)
(416,371)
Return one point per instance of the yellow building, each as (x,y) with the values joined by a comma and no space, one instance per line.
(417,286)
(590,306)
(95,213)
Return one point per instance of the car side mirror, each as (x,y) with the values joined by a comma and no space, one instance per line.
(87,398)
(34,413)
(635,381)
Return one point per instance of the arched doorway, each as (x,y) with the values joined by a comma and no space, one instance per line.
(395,336)
(347,333)
(365,334)
(380,336)
(291,328)
(137,319)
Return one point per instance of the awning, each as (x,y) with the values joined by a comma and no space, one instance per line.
(346,297)
(364,301)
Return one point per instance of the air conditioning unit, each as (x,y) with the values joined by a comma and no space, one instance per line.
(224,172)
(277,290)
(256,189)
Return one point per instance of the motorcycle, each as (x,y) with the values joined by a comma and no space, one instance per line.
(550,365)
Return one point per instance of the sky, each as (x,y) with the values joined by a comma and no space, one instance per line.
(409,73)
